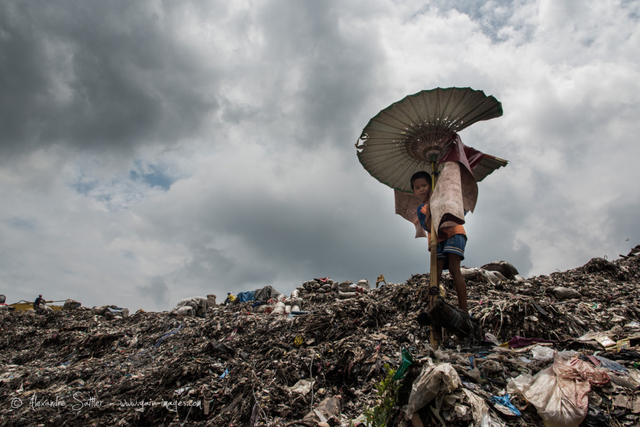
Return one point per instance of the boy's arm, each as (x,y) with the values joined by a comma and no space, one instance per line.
(427,220)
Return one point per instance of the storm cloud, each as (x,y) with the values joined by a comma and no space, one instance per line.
(152,151)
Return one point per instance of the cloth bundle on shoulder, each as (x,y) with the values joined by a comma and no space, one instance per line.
(455,193)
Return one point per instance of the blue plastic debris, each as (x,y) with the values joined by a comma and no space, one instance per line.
(611,365)
(506,402)
(168,334)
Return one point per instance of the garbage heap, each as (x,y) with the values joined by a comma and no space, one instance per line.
(558,350)
(326,289)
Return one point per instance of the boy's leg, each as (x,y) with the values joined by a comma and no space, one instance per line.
(458,280)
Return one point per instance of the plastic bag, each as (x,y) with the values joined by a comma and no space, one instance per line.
(481,414)
(302,387)
(560,392)
(405,361)
(611,365)
(432,381)
(542,353)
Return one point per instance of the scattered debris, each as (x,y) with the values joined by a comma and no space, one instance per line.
(507,270)
(193,306)
(245,364)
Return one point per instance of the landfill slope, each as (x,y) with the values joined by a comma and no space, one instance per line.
(236,367)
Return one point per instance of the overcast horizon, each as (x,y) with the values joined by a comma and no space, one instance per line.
(152,151)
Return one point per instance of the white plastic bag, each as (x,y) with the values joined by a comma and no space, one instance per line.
(432,381)
(480,409)
(542,353)
(560,392)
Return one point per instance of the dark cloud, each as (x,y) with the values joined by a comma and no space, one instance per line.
(206,146)
(503,207)
(333,64)
(211,269)
(156,290)
(23,223)
(622,225)
(285,242)
(114,76)
(493,238)
(96,76)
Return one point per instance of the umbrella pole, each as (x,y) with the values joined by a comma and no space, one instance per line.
(435,335)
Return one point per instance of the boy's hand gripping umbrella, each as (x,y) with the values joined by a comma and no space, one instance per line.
(419,133)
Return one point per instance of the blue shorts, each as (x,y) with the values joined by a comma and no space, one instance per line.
(453,245)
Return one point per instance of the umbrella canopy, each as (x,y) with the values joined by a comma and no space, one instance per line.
(410,134)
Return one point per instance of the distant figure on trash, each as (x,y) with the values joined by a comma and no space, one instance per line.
(39,303)
(230,298)
(451,241)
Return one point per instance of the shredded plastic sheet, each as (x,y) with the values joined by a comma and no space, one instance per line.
(480,409)
(560,392)
(469,157)
(407,207)
(432,381)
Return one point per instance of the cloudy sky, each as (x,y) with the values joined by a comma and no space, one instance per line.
(153,150)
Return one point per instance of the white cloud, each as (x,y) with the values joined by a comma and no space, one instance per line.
(196,148)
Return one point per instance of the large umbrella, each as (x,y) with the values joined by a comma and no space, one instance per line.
(416,134)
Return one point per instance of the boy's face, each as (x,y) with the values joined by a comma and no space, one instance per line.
(422,189)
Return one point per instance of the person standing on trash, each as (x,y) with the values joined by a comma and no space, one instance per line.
(39,303)
(451,240)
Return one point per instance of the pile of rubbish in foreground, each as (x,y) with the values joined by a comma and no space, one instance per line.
(556,350)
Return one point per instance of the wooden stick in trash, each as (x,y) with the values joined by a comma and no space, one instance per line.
(435,335)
